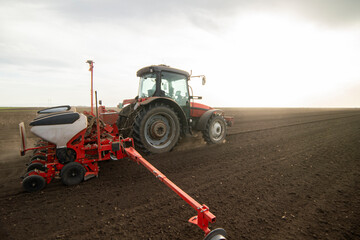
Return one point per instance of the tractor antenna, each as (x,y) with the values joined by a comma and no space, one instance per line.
(91,65)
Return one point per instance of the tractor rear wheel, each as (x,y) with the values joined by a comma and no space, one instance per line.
(33,183)
(215,131)
(156,129)
(72,173)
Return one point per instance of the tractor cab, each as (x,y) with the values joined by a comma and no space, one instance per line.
(163,81)
(164,109)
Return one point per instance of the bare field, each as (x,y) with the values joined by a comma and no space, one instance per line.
(282,174)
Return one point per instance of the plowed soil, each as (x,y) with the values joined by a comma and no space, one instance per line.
(281,174)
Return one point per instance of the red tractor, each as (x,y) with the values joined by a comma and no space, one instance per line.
(164,110)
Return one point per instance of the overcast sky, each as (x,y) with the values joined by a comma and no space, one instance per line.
(273,53)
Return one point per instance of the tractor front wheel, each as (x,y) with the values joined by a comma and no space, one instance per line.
(156,129)
(72,173)
(215,131)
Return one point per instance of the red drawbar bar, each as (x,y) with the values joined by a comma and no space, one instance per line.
(203,217)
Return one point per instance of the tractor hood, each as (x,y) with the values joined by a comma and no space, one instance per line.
(198,109)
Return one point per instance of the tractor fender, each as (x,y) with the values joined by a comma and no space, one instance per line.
(201,124)
(172,104)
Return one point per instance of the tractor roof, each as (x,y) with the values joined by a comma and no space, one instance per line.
(158,68)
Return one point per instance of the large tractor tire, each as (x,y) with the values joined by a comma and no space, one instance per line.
(123,115)
(156,129)
(215,131)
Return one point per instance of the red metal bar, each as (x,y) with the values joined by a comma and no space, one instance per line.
(98,129)
(91,63)
(204,215)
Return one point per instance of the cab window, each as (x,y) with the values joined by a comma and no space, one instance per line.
(174,85)
(147,85)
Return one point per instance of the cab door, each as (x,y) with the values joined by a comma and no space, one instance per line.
(175,86)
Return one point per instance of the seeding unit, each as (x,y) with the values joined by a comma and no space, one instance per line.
(72,144)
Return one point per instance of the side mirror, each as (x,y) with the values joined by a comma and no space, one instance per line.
(202,77)
(203,80)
